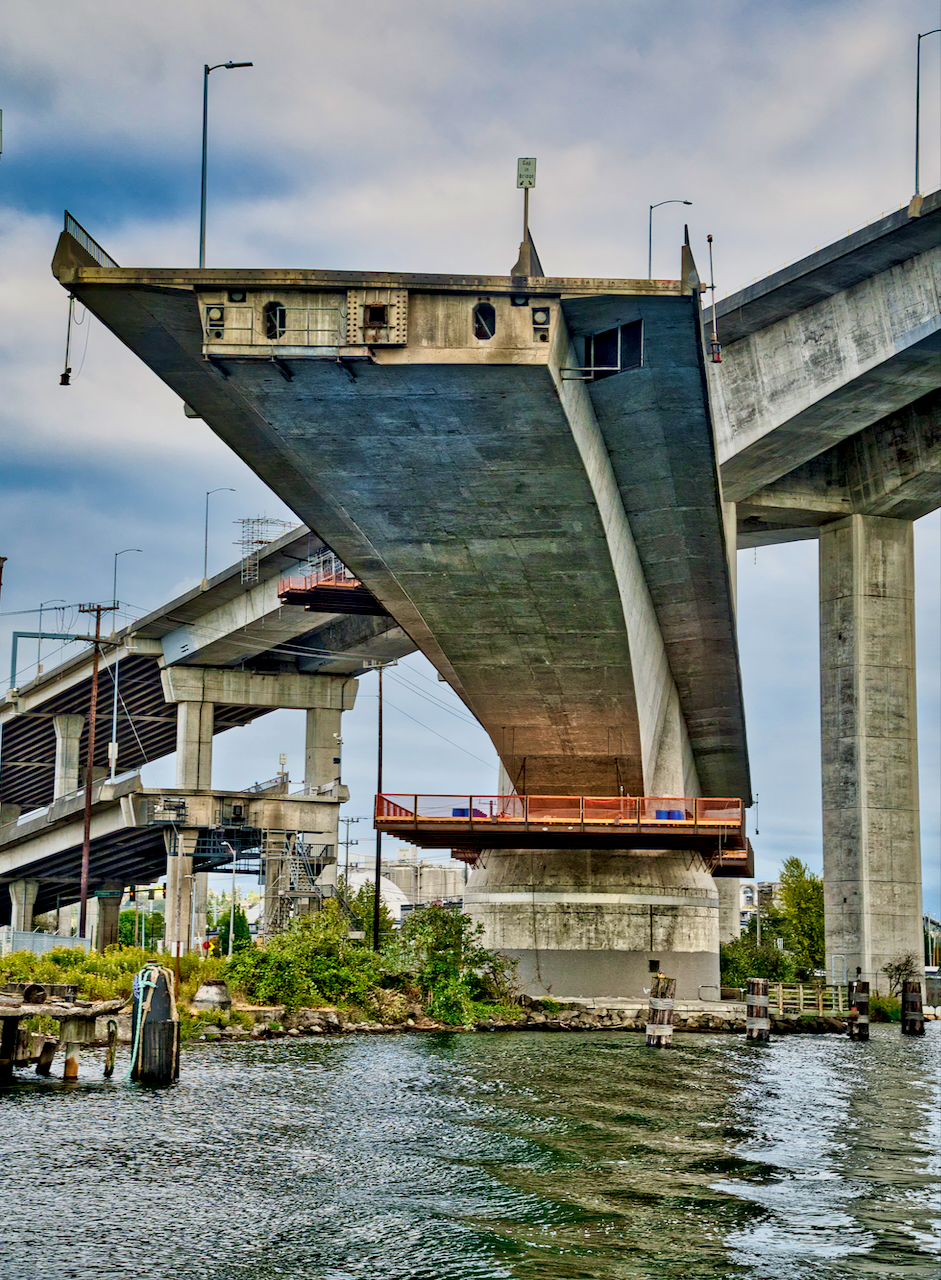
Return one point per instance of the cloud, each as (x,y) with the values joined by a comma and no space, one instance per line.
(385,136)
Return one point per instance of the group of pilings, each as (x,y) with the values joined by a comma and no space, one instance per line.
(757,1014)
(155,1028)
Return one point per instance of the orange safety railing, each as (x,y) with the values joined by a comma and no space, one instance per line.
(699,813)
(327,570)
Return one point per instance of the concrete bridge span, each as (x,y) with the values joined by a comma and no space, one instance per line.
(523,473)
(543,481)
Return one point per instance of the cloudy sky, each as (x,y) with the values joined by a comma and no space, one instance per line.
(382,135)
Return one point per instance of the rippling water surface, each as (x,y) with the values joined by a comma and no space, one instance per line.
(452,1157)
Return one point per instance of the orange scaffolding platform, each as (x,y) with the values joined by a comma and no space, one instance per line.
(711,826)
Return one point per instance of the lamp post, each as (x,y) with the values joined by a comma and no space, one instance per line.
(210,492)
(921,37)
(650,232)
(207,70)
(42,605)
(113,745)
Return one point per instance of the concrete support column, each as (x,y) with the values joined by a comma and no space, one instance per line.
(108,898)
(179,900)
(730,907)
(871,846)
(23,899)
(65,921)
(68,730)
(194,726)
(592,922)
(322,768)
(322,748)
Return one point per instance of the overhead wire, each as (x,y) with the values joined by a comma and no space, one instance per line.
(435,701)
(422,725)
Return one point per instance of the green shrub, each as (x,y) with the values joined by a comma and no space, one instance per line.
(742,959)
(312,962)
(242,937)
(885,1009)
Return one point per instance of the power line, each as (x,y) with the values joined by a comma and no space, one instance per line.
(489,763)
(437,702)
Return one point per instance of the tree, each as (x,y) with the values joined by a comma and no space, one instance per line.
(242,937)
(742,959)
(802,903)
(362,903)
(903,968)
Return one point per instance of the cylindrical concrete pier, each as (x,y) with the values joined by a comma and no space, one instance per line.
(590,922)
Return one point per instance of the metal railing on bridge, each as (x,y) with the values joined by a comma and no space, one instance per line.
(695,814)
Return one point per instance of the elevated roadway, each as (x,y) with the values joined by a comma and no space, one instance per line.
(828,424)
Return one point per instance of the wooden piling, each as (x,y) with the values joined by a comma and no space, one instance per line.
(155,1028)
(757,1021)
(660,1013)
(8,1041)
(46,1055)
(913,1017)
(858,1021)
(112,1047)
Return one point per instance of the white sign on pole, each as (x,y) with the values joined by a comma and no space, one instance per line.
(526,171)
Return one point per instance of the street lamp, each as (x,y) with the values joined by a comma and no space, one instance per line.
(650,232)
(113,744)
(228,66)
(921,37)
(209,493)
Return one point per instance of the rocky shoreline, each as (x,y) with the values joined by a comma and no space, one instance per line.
(317,1022)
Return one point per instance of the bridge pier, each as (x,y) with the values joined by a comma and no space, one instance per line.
(871,842)
(108,897)
(68,731)
(23,897)
(592,922)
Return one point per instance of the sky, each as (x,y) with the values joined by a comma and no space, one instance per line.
(381,136)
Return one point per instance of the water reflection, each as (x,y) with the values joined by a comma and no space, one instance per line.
(457,1157)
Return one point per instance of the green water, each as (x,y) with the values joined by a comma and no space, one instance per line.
(436,1157)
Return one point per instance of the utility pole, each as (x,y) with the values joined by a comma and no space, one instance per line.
(97,610)
(346,842)
(376,904)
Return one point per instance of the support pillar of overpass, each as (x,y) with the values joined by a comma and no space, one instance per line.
(23,899)
(730,907)
(68,731)
(194,727)
(593,922)
(65,921)
(322,767)
(180,846)
(108,897)
(871,845)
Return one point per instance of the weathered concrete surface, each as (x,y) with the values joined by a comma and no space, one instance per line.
(658,434)
(590,923)
(730,908)
(469,486)
(194,726)
(812,379)
(871,849)
(826,347)
(891,468)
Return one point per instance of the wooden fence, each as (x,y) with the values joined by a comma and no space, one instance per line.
(807,997)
